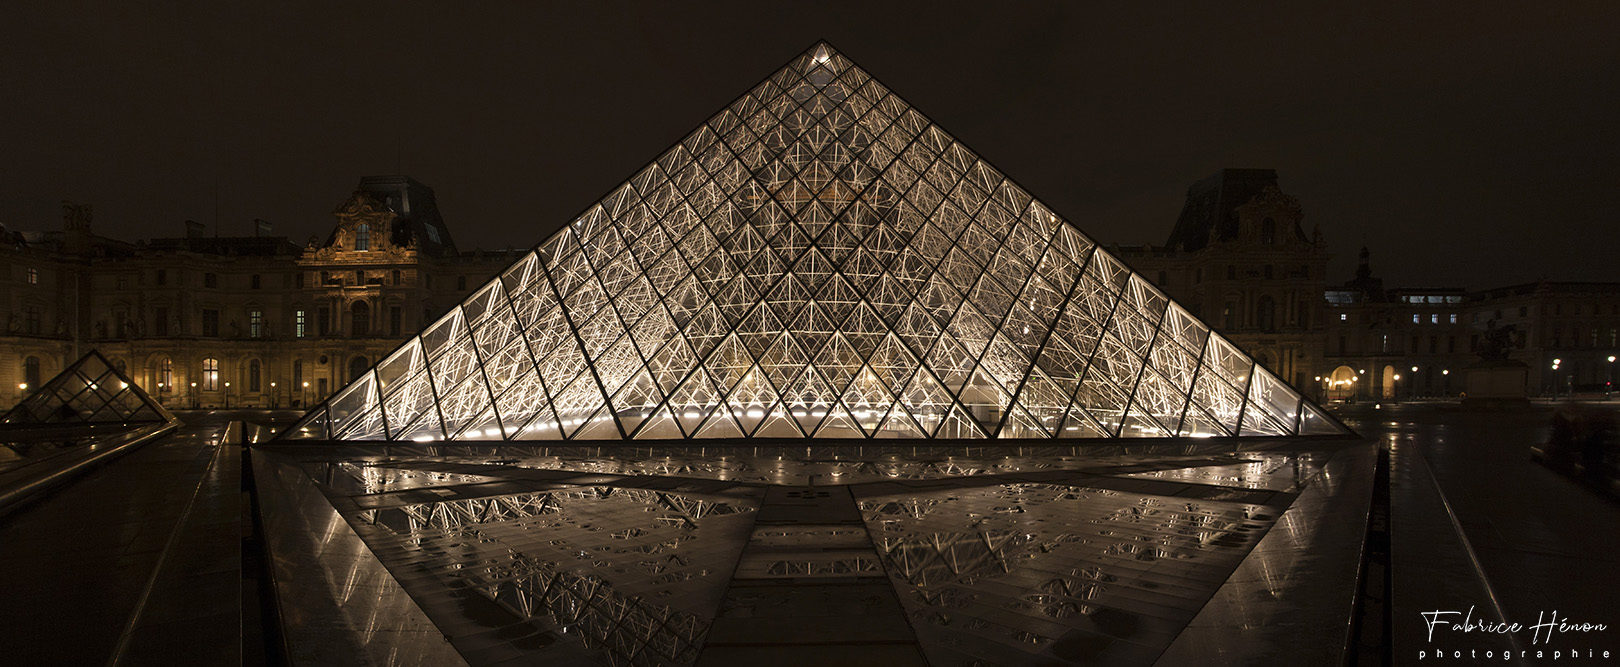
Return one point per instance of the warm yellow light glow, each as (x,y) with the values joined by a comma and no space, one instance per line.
(983,323)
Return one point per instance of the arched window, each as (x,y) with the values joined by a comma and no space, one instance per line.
(253,375)
(1265,314)
(210,374)
(359,318)
(165,375)
(1268,231)
(31,372)
(362,237)
(358,367)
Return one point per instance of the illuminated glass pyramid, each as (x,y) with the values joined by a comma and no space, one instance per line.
(90,391)
(817,260)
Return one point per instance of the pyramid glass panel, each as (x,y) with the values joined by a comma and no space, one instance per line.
(88,391)
(817,259)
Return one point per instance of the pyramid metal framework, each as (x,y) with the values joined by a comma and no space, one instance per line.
(90,391)
(819,260)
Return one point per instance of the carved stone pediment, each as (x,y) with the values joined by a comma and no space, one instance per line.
(361,208)
(362,205)
(1273,202)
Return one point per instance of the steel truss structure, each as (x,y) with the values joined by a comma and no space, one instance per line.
(820,260)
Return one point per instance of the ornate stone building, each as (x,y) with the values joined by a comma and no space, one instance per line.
(206,321)
(1403,343)
(1239,258)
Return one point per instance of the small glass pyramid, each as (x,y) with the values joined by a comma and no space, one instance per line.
(90,391)
(818,259)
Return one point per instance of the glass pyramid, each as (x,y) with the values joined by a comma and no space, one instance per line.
(90,391)
(818,259)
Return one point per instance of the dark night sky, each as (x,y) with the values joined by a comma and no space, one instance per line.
(1468,144)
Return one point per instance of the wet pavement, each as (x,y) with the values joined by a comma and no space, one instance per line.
(1543,542)
(137,562)
(805,555)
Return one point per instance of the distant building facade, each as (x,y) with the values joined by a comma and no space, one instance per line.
(261,321)
(1238,257)
(247,321)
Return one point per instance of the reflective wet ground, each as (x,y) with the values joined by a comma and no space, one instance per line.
(591,556)
(713,555)
(1543,542)
(136,562)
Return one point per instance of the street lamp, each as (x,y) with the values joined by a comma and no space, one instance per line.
(1445,377)
(194,396)
(227,395)
(1609,386)
(304,395)
(1556,362)
(275,398)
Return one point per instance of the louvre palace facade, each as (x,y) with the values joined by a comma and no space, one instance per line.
(208,321)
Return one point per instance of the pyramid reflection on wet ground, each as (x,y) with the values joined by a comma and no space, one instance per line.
(694,555)
(818,259)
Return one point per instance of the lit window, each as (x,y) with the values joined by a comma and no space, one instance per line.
(298,323)
(166,375)
(1434,318)
(1453,318)
(255,323)
(210,374)
(33,276)
(1344,317)
(1417,319)
(362,237)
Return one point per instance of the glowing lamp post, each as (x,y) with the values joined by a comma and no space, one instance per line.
(1608,387)
(1556,362)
